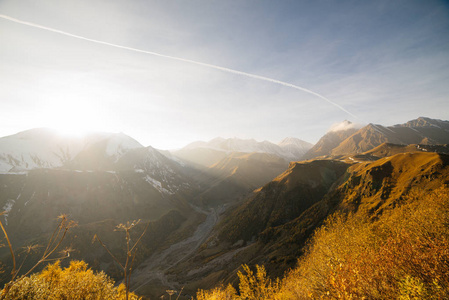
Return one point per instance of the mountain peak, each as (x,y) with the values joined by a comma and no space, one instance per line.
(46,148)
(426,122)
(294,142)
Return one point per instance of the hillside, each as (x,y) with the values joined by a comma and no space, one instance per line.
(239,174)
(329,141)
(400,254)
(262,231)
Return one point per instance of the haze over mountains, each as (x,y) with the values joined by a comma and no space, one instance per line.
(212,205)
(44,148)
(209,153)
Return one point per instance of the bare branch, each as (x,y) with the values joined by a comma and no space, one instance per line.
(138,240)
(13,272)
(110,253)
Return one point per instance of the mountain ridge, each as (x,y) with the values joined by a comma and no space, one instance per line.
(422,130)
(289,148)
(45,148)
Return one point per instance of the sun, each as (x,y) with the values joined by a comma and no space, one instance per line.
(73,117)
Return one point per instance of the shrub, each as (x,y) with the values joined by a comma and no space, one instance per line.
(75,282)
(401,254)
(218,293)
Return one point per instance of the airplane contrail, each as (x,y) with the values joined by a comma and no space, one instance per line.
(180,59)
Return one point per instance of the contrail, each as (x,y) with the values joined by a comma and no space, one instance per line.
(181,59)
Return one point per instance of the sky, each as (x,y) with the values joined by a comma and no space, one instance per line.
(168,73)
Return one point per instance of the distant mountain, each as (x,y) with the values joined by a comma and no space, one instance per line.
(239,166)
(423,122)
(166,175)
(349,140)
(420,131)
(334,137)
(209,153)
(294,148)
(44,148)
(238,174)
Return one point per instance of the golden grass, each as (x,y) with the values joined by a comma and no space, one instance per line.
(403,254)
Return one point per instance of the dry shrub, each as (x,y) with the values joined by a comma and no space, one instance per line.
(258,285)
(218,293)
(74,282)
(402,254)
(252,286)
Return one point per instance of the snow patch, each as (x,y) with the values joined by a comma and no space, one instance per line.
(157,184)
(119,144)
(8,207)
(32,196)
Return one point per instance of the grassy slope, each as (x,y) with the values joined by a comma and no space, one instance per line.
(369,187)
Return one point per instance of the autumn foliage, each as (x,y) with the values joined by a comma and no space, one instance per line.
(76,281)
(402,253)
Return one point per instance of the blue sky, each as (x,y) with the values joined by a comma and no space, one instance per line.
(385,62)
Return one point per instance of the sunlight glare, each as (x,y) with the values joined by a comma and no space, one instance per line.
(73,117)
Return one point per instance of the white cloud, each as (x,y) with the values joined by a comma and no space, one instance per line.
(345,125)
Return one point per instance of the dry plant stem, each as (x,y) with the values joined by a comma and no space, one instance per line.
(107,250)
(131,269)
(138,240)
(55,241)
(179,294)
(130,253)
(53,238)
(13,272)
(21,265)
(47,254)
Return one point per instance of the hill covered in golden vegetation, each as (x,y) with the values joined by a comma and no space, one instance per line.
(401,253)
(273,226)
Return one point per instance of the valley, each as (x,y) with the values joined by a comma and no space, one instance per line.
(212,206)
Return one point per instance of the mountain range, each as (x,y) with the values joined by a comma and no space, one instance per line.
(212,206)
(424,131)
(44,148)
(209,153)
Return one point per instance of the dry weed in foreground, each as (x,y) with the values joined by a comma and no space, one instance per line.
(53,244)
(76,281)
(131,251)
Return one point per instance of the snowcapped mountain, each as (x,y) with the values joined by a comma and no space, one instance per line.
(289,149)
(294,148)
(44,148)
(161,172)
